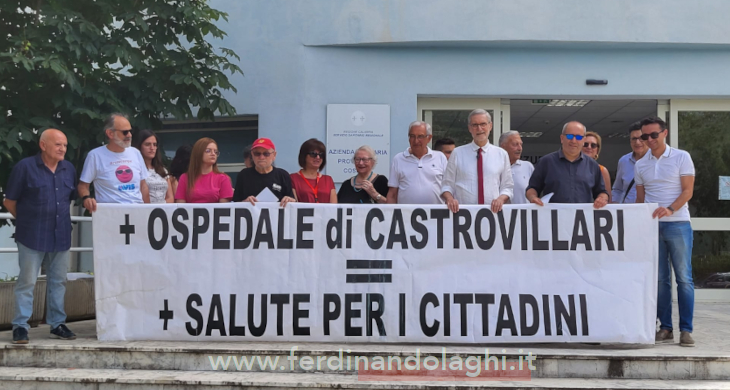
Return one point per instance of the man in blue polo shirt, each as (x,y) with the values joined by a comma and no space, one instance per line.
(38,195)
(624,188)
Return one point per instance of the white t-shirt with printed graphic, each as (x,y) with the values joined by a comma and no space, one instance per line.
(116,176)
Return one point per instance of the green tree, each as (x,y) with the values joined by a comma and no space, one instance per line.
(68,63)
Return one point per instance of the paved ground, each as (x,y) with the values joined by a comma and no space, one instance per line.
(711,333)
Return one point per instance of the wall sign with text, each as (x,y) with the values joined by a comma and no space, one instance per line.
(350,126)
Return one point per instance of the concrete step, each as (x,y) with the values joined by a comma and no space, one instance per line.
(13,378)
(597,362)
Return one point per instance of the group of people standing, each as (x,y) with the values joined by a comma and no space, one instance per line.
(40,188)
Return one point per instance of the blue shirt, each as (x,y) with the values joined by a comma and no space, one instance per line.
(624,177)
(578,181)
(43,221)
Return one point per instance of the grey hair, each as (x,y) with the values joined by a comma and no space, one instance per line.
(420,123)
(565,126)
(109,120)
(478,111)
(504,137)
(369,151)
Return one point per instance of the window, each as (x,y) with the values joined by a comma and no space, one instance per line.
(453,124)
(706,136)
(232,134)
(711,259)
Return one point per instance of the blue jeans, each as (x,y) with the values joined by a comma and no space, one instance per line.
(675,244)
(30,262)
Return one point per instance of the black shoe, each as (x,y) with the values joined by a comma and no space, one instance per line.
(63,333)
(20,335)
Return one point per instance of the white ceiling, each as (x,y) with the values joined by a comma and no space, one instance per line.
(606,117)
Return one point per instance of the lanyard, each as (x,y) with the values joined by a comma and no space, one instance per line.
(316,186)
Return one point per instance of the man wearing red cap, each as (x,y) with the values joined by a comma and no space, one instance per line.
(250,182)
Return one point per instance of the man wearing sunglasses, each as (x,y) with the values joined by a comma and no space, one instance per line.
(666,176)
(117,171)
(416,173)
(568,174)
(250,182)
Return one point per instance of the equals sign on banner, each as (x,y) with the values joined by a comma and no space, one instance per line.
(366,265)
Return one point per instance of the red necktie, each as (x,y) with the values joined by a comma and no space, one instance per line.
(480,175)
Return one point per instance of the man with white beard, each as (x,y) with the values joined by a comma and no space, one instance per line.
(117,171)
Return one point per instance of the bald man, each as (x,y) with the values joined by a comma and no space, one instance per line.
(38,194)
(568,174)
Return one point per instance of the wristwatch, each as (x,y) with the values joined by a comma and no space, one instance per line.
(83,198)
(377,198)
(671,209)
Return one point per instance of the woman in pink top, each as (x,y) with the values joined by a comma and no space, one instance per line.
(204,183)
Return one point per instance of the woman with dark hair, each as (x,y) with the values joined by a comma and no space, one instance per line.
(309,185)
(203,182)
(158,180)
(179,165)
(247,158)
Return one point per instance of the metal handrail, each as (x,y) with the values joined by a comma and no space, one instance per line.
(74,218)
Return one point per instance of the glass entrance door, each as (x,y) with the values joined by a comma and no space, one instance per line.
(448,117)
(702,128)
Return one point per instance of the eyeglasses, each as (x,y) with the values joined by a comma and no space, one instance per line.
(124,132)
(653,135)
(259,154)
(121,171)
(315,154)
(418,137)
(477,125)
(591,145)
(576,136)
(213,151)
(634,139)
(363,159)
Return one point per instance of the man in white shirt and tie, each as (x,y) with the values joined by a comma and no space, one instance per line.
(479,172)
(511,142)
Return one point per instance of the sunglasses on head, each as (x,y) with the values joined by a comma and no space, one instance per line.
(653,135)
(591,145)
(259,154)
(315,154)
(571,136)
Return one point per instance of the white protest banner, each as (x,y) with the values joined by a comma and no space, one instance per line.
(350,126)
(358,273)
